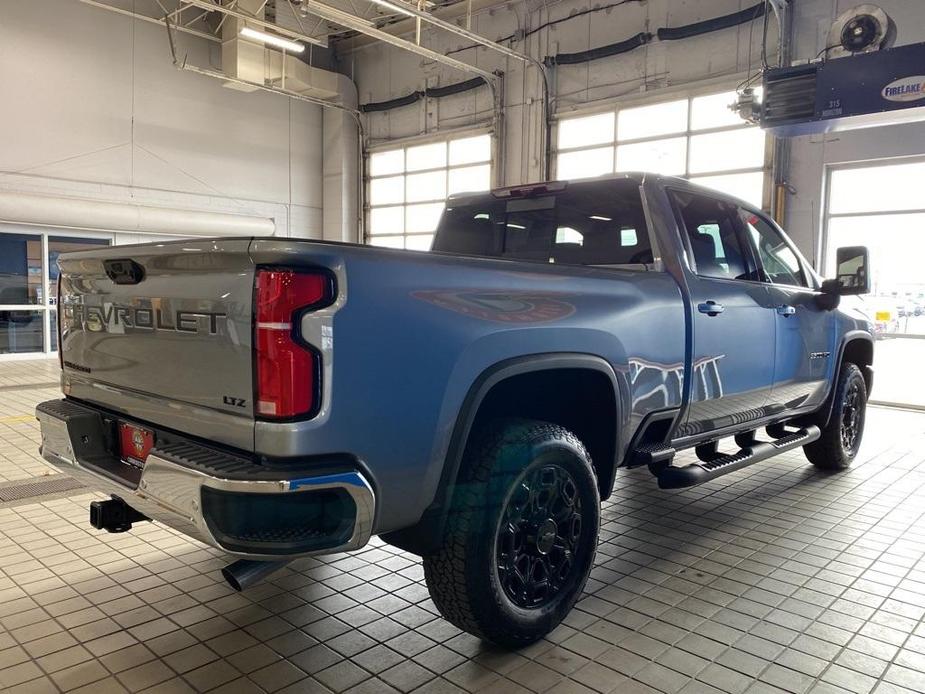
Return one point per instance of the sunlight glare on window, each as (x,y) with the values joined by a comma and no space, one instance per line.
(712,111)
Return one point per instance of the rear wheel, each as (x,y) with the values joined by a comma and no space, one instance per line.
(841,438)
(521,535)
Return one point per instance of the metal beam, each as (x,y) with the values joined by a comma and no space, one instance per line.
(251,19)
(411,11)
(466,8)
(152,20)
(351,21)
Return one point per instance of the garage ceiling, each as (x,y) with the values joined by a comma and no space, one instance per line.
(318,22)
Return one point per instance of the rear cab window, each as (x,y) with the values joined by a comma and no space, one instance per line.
(600,223)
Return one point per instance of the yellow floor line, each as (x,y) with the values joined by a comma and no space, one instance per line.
(17,418)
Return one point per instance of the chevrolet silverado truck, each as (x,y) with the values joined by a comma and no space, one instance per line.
(277,398)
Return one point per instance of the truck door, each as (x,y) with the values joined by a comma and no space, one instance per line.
(733,330)
(805,332)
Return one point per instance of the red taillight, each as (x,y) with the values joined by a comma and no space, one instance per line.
(286,368)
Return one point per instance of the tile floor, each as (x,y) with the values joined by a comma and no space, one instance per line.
(773,579)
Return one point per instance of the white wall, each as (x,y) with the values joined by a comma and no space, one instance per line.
(93,107)
(382,72)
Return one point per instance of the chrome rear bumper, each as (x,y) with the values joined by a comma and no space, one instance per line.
(170,486)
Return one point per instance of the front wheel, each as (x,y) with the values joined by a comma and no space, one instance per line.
(521,535)
(838,445)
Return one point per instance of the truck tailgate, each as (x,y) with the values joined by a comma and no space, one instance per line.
(163,331)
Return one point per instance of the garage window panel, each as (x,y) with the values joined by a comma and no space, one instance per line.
(423,157)
(654,120)
(425,186)
(407,187)
(469,179)
(388,241)
(387,220)
(745,186)
(386,163)
(420,218)
(697,137)
(898,187)
(587,131)
(387,191)
(667,157)
(586,163)
(470,150)
(729,149)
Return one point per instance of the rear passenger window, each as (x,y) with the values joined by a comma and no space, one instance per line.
(587,223)
(714,233)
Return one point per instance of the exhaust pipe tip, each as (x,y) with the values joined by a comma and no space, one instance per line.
(244,573)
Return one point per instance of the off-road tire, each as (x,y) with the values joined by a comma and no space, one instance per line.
(830,451)
(464,576)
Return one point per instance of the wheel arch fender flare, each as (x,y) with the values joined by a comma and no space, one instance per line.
(423,535)
(849,338)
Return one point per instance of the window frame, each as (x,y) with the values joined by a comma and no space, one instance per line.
(49,302)
(666,96)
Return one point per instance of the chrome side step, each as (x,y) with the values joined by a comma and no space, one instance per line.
(717,464)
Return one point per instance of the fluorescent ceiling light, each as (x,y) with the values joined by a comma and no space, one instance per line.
(393,6)
(515,226)
(272,40)
(600,219)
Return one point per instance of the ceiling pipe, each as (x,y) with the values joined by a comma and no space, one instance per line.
(350,21)
(411,11)
(352,112)
(257,21)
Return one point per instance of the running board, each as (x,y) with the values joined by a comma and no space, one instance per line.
(696,473)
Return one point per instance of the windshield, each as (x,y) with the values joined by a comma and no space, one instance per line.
(590,223)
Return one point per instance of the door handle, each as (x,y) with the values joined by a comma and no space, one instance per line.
(785,310)
(711,308)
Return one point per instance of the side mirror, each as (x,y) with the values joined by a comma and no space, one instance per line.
(851,272)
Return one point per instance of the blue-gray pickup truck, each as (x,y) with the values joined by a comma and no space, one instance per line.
(277,398)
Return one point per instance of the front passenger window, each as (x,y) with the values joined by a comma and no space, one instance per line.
(713,233)
(778,260)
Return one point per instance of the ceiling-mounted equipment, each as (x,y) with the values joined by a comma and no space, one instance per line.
(860,91)
(871,83)
(862,29)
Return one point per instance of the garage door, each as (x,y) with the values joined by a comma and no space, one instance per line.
(880,205)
